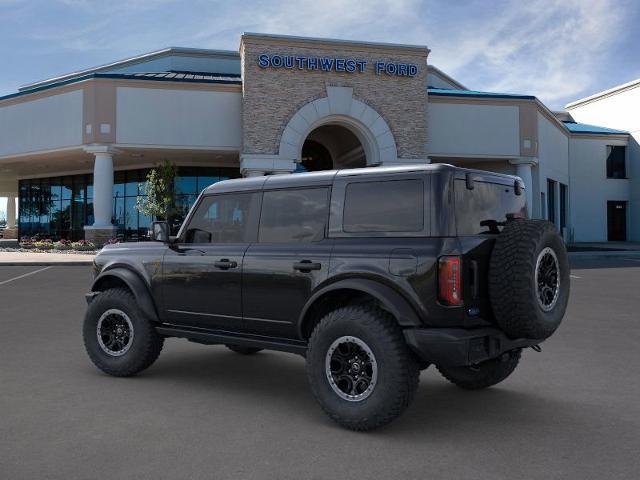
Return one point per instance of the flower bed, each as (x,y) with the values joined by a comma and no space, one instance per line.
(46,245)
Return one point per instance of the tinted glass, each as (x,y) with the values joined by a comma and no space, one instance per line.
(551,201)
(294,215)
(616,167)
(483,209)
(386,206)
(224,219)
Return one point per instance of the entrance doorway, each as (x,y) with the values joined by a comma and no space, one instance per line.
(332,146)
(617,221)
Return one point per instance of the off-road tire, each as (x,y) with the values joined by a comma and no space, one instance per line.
(242,350)
(483,375)
(397,369)
(513,289)
(145,346)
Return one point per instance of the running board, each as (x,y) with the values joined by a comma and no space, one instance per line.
(214,337)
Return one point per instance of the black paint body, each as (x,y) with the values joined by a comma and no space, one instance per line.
(263,294)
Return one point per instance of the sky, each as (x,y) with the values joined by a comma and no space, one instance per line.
(558,50)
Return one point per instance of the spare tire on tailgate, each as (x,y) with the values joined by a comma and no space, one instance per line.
(529,279)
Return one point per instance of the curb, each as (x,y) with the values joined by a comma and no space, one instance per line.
(616,253)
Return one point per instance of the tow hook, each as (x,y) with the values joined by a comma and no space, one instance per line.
(536,348)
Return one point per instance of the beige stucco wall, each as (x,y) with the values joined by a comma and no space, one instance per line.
(272,96)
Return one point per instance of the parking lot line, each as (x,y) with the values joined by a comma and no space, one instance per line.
(574,276)
(25,275)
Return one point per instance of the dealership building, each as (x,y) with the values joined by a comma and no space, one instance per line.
(75,150)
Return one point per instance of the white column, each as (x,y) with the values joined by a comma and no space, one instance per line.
(102,186)
(102,190)
(11,212)
(523,170)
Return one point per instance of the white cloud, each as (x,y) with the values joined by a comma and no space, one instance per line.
(553,49)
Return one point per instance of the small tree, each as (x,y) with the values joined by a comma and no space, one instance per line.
(160,202)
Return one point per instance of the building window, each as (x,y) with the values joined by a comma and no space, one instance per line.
(616,161)
(551,201)
(60,207)
(563,205)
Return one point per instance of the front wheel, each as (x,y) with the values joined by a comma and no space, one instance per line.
(483,375)
(118,338)
(360,368)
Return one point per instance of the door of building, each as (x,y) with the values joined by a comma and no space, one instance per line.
(617,221)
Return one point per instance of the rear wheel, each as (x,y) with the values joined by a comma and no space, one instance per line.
(242,350)
(483,375)
(360,368)
(118,338)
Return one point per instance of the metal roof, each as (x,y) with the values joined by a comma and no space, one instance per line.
(575,127)
(187,77)
(175,75)
(445,92)
(131,61)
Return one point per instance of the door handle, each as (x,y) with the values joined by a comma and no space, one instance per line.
(306,266)
(225,264)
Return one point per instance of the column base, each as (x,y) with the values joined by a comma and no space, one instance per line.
(256,164)
(10,233)
(405,161)
(99,235)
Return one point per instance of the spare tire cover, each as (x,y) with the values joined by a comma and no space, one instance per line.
(529,279)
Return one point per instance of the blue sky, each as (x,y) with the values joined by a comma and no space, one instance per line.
(558,50)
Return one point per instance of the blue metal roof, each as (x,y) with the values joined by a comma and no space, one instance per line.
(188,77)
(445,92)
(575,127)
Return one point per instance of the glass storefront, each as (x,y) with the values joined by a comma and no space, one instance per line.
(59,207)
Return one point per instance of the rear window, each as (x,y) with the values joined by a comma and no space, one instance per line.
(384,206)
(483,209)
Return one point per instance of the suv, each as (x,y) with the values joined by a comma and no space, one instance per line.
(371,274)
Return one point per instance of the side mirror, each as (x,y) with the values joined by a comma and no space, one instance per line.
(160,232)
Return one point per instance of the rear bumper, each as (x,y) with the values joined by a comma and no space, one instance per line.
(459,347)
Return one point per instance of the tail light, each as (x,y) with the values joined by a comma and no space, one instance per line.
(449,281)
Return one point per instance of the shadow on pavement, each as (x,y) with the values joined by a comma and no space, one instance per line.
(277,383)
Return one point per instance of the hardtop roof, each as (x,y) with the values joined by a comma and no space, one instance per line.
(326,177)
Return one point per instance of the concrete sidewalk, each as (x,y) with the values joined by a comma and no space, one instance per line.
(37,259)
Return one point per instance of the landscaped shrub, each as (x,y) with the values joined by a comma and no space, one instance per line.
(83,245)
(43,244)
(62,245)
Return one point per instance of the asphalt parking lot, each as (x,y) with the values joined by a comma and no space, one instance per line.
(570,412)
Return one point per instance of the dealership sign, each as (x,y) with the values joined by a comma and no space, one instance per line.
(335,64)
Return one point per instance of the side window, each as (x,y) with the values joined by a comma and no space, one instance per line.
(384,206)
(294,215)
(224,218)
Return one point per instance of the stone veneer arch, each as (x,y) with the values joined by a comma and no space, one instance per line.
(340,108)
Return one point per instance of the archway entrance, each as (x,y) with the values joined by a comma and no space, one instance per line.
(332,146)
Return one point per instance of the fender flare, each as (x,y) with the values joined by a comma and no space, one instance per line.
(137,286)
(392,301)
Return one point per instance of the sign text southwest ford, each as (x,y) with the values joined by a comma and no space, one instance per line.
(331,64)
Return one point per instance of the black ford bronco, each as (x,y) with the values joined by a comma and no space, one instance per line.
(371,274)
